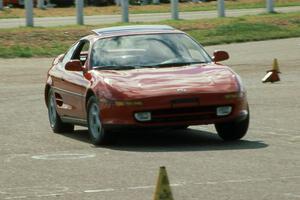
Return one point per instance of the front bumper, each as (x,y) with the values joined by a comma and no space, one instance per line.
(175,111)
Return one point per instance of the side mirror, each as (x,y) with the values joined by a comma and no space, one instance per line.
(74,65)
(220,56)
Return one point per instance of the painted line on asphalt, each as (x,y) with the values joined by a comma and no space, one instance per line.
(182,184)
(49,195)
(53,156)
(296,138)
(141,187)
(17,197)
(292,195)
(100,190)
(177,184)
(31,193)
(63,156)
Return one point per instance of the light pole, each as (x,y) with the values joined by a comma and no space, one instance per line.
(270,6)
(125,15)
(79,11)
(174,9)
(221,8)
(1,4)
(29,12)
(155,1)
(41,4)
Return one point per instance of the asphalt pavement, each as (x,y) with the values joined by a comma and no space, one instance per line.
(149,17)
(38,164)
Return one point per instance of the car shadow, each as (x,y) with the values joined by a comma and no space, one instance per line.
(80,135)
(170,140)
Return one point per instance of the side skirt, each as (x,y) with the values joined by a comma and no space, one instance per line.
(75,121)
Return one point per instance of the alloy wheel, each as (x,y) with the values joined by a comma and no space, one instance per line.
(94,121)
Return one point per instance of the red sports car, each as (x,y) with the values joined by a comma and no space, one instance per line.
(143,76)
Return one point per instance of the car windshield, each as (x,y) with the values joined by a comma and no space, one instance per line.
(150,50)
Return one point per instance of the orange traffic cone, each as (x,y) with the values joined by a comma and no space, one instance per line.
(163,189)
(272,75)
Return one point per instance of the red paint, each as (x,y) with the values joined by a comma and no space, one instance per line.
(156,88)
(88,76)
(149,82)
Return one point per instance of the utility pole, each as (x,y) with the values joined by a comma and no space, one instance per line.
(221,8)
(79,11)
(125,15)
(1,4)
(174,9)
(155,2)
(270,6)
(41,4)
(29,12)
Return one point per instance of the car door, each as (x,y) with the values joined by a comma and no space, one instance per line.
(75,85)
(58,83)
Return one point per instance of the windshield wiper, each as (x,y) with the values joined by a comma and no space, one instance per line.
(116,67)
(175,64)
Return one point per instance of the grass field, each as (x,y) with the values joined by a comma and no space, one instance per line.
(189,6)
(41,42)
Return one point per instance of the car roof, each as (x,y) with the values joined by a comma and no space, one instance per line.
(135,29)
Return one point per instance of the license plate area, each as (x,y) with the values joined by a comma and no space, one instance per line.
(185,102)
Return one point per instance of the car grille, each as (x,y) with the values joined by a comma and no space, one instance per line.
(184,114)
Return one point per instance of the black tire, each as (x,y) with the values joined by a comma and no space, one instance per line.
(96,131)
(235,130)
(56,123)
(183,127)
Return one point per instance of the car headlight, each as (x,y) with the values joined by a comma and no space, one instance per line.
(232,95)
(242,90)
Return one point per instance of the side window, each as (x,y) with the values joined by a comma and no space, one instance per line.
(81,52)
(69,54)
(84,52)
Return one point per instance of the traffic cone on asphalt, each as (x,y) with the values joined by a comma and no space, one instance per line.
(272,75)
(163,189)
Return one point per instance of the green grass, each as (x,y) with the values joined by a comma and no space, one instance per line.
(137,9)
(49,42)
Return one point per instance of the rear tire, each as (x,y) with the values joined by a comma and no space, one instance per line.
(234,130)
(97,133)
(56,123)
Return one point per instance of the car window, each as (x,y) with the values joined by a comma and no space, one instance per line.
(81,53)
(69,54)
(147,50)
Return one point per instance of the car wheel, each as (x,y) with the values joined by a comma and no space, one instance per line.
(183,127)
(234,130)
(97,133)
(55,121)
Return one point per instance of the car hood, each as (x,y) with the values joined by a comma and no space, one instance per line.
(193,79)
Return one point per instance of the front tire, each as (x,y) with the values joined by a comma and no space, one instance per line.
(234,130)
(182,127)
(56,123)
(97,133)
